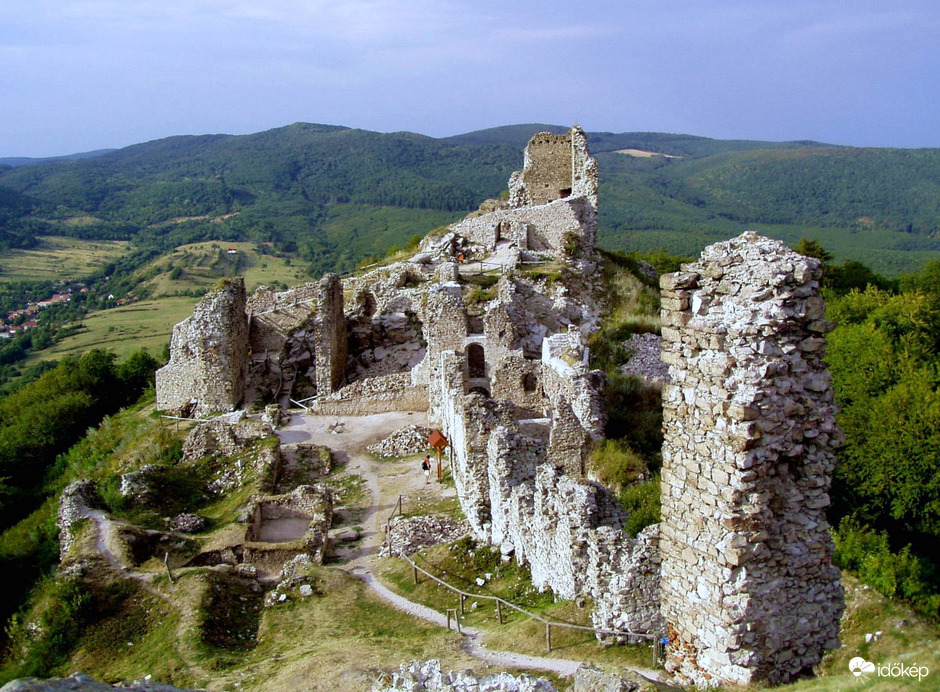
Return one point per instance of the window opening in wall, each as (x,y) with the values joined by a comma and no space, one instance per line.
(566,192)
(476,361)
(529,383)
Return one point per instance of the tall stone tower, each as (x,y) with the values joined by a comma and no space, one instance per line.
(749,591)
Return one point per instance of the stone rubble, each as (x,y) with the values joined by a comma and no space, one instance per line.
(645,361)
(187,523)
(412,534)
(85,683)
(427,676)
(411,439)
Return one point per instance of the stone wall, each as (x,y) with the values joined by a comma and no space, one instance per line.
(549,228)
(568,531)
(208,356)
(575,401)
(373,395)
(749,591)
(555,167)
(330,341)
(446,331)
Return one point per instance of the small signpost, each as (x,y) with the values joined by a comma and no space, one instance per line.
(438,442)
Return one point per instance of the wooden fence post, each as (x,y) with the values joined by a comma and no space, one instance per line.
(499,611)
(548,636)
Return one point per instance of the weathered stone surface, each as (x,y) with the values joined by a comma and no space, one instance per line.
(749,591)
(76,500)
(408,535)
(428,677)
(411,439)
(208,356)
(188,523)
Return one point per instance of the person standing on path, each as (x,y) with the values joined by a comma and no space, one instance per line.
(426,467)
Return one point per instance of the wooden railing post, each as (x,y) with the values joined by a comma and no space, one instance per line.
(548,636)
(499,611)
(414,570)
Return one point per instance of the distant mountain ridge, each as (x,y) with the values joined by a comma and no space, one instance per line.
(14,161)
(333,195)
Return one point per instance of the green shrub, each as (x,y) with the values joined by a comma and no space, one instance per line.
(615,464)
(42,638)
(898,574)
(642,501)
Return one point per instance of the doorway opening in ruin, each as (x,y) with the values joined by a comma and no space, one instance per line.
(529,382)
(480,390)
(476,362)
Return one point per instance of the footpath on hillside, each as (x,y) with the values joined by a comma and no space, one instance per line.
(385,481)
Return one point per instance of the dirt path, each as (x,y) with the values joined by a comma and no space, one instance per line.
(385,481)
(105,540)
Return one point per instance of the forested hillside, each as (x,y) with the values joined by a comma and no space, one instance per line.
(291,185)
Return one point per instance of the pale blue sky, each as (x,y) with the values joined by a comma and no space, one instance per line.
(77,75)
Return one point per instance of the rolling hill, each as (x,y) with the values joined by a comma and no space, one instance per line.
(332,195)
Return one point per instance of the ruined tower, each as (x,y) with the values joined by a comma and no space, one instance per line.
(208,355)
(749,591)
(555,167)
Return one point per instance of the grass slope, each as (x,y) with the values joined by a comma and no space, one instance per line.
(59,258)
(123,330)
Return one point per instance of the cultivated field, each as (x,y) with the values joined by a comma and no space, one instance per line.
(196,267)
(147,324)
(59,257)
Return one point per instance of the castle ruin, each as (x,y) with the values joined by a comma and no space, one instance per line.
(485,327)
(749,591)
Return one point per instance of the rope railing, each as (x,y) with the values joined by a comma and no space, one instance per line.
(499,602)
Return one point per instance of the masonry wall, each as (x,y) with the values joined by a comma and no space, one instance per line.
(555,167)
(749,591)
(330,343)
(208,356)
(549,227)
(567,530)
(446,331)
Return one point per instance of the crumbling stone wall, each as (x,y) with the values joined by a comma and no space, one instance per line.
(208,355)
(550,229)
(330,335)
(749,591)
(568,531)
(576,401)
(447,331)
(467,420)
(556,167)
